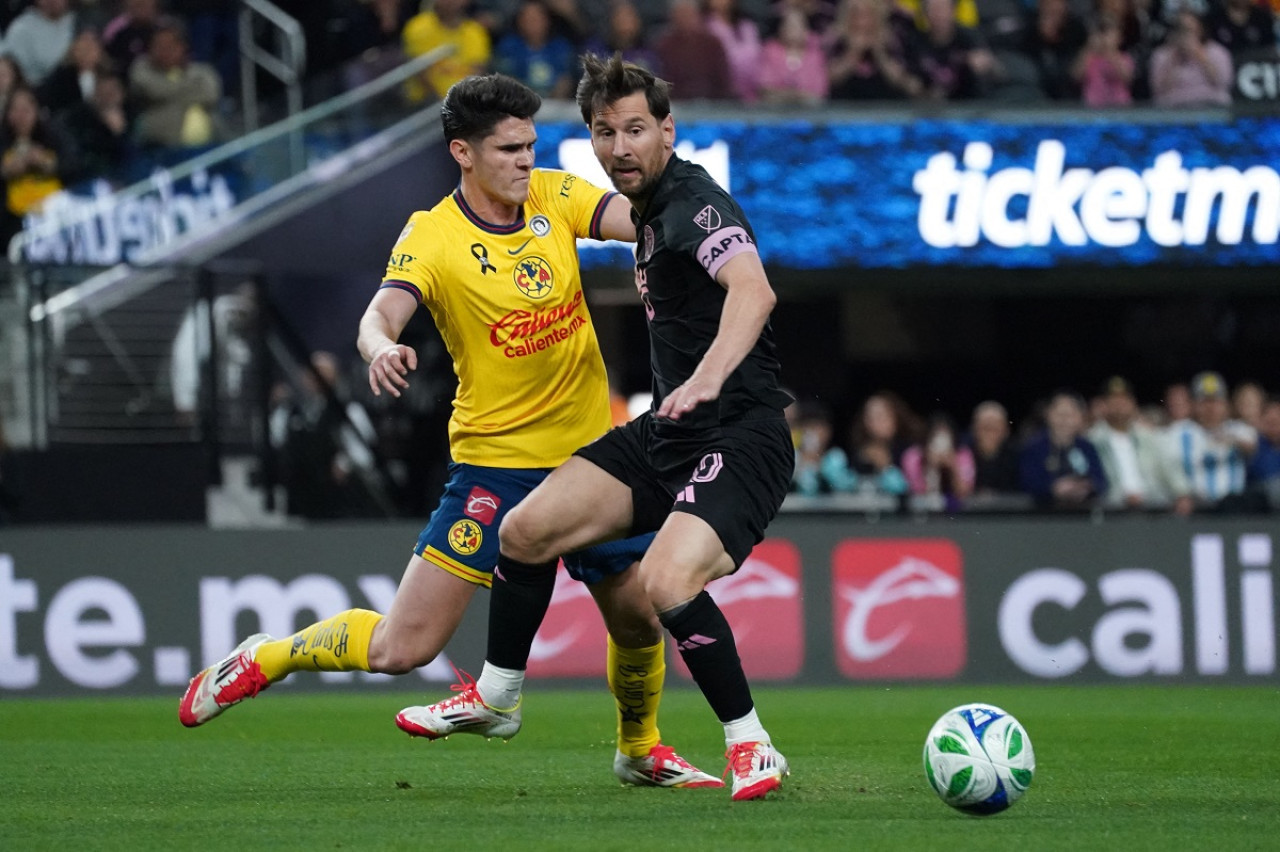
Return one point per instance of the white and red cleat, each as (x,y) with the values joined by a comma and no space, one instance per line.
(464,713)
(758,769)
(224,684)
(661,767)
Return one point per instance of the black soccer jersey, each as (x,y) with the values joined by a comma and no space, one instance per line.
(688,229)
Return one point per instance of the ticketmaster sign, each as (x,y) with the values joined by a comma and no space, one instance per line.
(1112,190)
(822,600)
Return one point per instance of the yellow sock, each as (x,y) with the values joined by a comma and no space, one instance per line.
(635,679)
(337,644)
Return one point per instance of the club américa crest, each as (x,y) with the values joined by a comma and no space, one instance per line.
(533,277)
(465,536)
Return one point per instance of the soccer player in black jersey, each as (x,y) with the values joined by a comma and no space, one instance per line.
(708,466)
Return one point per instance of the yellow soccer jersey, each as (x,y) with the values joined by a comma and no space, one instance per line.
(508,302)
(424,32)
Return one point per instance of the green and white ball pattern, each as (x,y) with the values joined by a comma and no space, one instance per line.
(979,759)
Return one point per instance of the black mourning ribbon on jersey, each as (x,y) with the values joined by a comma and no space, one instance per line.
(480,253)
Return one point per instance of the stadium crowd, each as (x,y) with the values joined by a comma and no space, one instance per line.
(91,88)
(1093,52)
(1203,448)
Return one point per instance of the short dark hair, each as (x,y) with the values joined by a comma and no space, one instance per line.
(606,81)
(474,105)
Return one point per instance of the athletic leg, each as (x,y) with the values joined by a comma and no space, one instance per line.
(427,609)
(577,505)
(636,673)
(593,506)
(454,554)
(687,554)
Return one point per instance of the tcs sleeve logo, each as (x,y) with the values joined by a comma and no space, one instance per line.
(899,609)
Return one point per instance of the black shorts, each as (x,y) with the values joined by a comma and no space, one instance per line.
(733,476)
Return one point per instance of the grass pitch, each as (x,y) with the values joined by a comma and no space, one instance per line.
(1120,767)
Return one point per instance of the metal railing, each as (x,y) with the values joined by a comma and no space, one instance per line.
(288,63)
(97,341)
(267,180)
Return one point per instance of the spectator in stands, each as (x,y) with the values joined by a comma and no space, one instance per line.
(535,56)
(1004,26)
(1133,20)
(127,36)
(820,15)
(1241,26)
(1057,37)
(955,62)
(575,22)
(885,427)
(447,22)
(1162,15)
(230,346)
(1189,70)
(821,467)
(625,34)
(176,98)
(34,159)
(72,82)
(1177,403)
(1103,71)
(371,40)
(1003,23)
(1264,467)
(965,12)
(940,466)
(10,79)
(213,30)
(39,38)
(995,458)
(692,59)
(1059,467)
(793,66)
(1140,473)
(870,56)
(740,36)
(377,24)
(99,127)
(1212,448)
(494,15)
(1247,401)
(323,445)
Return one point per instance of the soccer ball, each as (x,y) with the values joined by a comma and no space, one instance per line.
(978,759)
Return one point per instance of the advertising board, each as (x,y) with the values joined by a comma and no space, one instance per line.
(824,600)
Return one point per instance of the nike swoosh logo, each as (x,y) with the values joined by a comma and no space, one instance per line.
(520,247)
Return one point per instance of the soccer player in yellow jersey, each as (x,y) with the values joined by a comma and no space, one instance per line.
(496,264)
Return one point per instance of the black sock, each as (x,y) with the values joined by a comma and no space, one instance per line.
(520,597)
(706,643)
